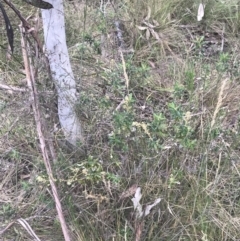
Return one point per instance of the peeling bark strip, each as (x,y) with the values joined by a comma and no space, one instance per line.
(26,25)
(57,52)
(39,4)
(9,28)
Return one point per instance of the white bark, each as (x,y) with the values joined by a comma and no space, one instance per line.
(57,52)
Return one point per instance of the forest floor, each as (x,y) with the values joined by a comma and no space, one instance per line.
(159,95)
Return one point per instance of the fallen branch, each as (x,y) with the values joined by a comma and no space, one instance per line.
(12,88)
(46,144)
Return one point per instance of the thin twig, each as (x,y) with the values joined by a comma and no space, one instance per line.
(28,228)
(12,88)
(124,70)
(6,228)
(120,104)
(25,225)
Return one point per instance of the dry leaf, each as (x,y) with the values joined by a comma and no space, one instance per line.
(156,23)
(200,12)
(147,34)
(141,28)
(149,25)
(129,192)
(136,203)
(149,207)
(149,14)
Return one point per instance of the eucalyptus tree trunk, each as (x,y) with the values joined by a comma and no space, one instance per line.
(57,53)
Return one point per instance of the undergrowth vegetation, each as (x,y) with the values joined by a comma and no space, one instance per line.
(160,113)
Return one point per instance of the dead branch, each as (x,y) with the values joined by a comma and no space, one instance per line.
(45,142)
(12,88)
